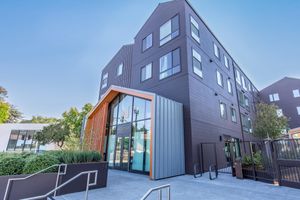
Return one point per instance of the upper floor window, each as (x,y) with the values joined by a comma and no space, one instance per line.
(169,30)
(233,115)
(246,123)
(146,72)
(219,78)
(169,64)
(274,97)
(197,65)
(104,80)
(120,69)
(238,77)
(147,42)
(298,110)
(241,97)
(229,86)
(296,93)
(244,83)
(247,102)
(226,61)
(195,30)
(279,112)
(216,51)
(223,110)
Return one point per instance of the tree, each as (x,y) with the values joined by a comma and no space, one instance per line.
(41,120)
(4,112)
(54,133)
(268,125)
(14,115)
(8,112)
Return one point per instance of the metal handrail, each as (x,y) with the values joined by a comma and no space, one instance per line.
(6,194)
(159,189)
(88,184)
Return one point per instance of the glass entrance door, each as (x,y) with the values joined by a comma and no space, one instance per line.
(122,152)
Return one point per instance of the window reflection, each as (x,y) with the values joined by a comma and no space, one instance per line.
(23,140)
(125,109)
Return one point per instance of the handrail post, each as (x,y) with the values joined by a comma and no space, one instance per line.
(160,194)
(169,193)
(87,186)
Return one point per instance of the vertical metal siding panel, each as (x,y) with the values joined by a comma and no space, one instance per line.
(169,143)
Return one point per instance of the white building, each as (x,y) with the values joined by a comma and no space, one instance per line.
(20,137)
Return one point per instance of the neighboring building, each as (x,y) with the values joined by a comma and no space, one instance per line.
(20,137)
(285,93)
(175,56)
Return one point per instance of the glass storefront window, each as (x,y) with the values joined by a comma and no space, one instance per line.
(147,141)
(138,144)
(114,112)
(12,140)
(111,146)
(125,109)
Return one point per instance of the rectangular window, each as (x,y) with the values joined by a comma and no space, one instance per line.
(197,65)
(169,30)
(241,98)
(229,86)
(246,123)
(226,61)
(216,51)
(104,80)
(120,69)
(195,30)
(146,72)
(219,79)
(244,83)
(279,112)
(246,102)
(296,93)
(223,110)
(169,64)
(274,97)
(147,42)
(233,115)
(238,77)
(298,110)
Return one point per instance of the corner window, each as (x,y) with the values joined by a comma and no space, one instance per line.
(216,51)
(298,110)
(120,69)
(197,65)
(238,77)
(233,115)
(219,79)
(296,93)
(104,80)
(274,97)
(169,30)
(169,64)
(195,30)
(226,61)
(146,72)
(279,112)
(229,86)
(147,42)
(223,112)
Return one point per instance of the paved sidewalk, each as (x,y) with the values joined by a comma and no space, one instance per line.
(129,186)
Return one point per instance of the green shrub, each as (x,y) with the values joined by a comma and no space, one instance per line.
(39,162)
(257,160)
(69,157)
(11,165)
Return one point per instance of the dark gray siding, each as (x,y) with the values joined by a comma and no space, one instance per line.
(287,102)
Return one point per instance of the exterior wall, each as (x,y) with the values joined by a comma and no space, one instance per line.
(168,139)
(5,130)
(287,102)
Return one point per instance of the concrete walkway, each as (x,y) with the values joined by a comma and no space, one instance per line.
(129,186)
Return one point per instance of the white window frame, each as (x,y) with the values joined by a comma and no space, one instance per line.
(296,93)
(120,69)
(276,97)
(244,83)
(220,81)
(229,87)
(223,115)
(197,57)
(147,68)
(233,117)
(298,110)
(238,76)
(174,69)
(279,112)
(194,23)
(216,51)
(150,38)
(104,80)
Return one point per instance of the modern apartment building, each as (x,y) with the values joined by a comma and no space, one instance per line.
(175,57)
(285,93)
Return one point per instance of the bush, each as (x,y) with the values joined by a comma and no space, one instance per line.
(257,160)
(39,162)
(69,157)
(11,165)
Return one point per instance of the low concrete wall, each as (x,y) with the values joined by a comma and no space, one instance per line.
(43,183)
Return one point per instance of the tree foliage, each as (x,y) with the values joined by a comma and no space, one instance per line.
(4,112)
(268,125)
(41,120)
(8,112)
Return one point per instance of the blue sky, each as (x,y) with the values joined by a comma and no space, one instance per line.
(52,52)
